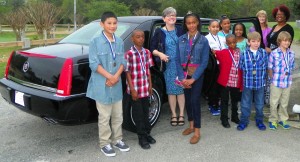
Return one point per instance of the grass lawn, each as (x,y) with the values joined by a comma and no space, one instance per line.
(4,55)
(7,36)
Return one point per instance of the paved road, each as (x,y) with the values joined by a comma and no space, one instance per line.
(24,137)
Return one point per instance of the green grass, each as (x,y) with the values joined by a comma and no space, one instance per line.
(11,37)
(4,55)
(2,69)
(7,36)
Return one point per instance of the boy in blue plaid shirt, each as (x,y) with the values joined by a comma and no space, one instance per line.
(253,63)
(280,66)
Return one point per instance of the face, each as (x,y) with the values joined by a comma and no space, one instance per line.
(231,43)
(280,17)
(138,38)
(238,31)
(254,44)
(109,25)
(262,18)
(192,24)
(285,44)
(170,19)
(225,25)
(214,27)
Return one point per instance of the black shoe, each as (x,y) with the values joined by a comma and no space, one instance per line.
(235,120)
(150,139)
(226,124)
(144,143)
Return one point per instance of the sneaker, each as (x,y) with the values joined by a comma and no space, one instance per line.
(272,125)
(214,111)
(122,146)
(108,150)
(209,107)
(241,127)
(284,125)
(260,125)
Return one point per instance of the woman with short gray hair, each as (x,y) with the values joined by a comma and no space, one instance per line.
(163,46)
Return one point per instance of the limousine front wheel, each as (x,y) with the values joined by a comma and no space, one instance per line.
(155,103)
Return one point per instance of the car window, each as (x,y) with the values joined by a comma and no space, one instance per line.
(86,33)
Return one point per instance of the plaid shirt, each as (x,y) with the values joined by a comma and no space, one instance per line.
(233,75)
(282,64)
(254,68)
(139,75)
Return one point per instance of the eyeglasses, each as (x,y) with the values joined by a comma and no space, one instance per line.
(169,16)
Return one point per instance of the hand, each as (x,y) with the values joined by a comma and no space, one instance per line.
(113,80)
(164,57)
(213,52)
(185,83)
(108,83)
(150,90)
(268,50)
(134,95)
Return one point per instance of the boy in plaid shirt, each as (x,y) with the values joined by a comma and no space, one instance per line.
(253,63)
(280,66)
(139,86)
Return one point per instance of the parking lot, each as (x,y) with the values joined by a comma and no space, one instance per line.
(28,138)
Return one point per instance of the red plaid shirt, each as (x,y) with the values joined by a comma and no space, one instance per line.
(140,71)
(233,75)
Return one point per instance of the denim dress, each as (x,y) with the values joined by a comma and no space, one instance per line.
(171,73)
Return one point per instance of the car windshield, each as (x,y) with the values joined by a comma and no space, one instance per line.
(87,32)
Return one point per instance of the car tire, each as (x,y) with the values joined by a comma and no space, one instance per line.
(154,110)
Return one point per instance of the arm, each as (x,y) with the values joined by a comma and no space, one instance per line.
(150,84)
(178,63)
(116,77)
(94,63)
(270,73)
(150,63)
(270,65)
(204,57)
(133,92)
(154,47)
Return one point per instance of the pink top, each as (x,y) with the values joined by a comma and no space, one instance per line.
(265,32)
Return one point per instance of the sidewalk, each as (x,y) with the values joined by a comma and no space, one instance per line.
(296,48)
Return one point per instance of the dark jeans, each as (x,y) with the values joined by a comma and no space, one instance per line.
(214,95)
(235,96)
(214,92)
(140,115)
(192,102)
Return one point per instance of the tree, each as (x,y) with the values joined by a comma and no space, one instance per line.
(205,8)
(296,8)
(96,8)
(132,4)
(6,6)
(43,15)
(17,22)
(145,12)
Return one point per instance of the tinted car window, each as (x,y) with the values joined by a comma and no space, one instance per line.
(86,33)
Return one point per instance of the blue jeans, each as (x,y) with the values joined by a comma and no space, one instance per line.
(246,104)
(192,102)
